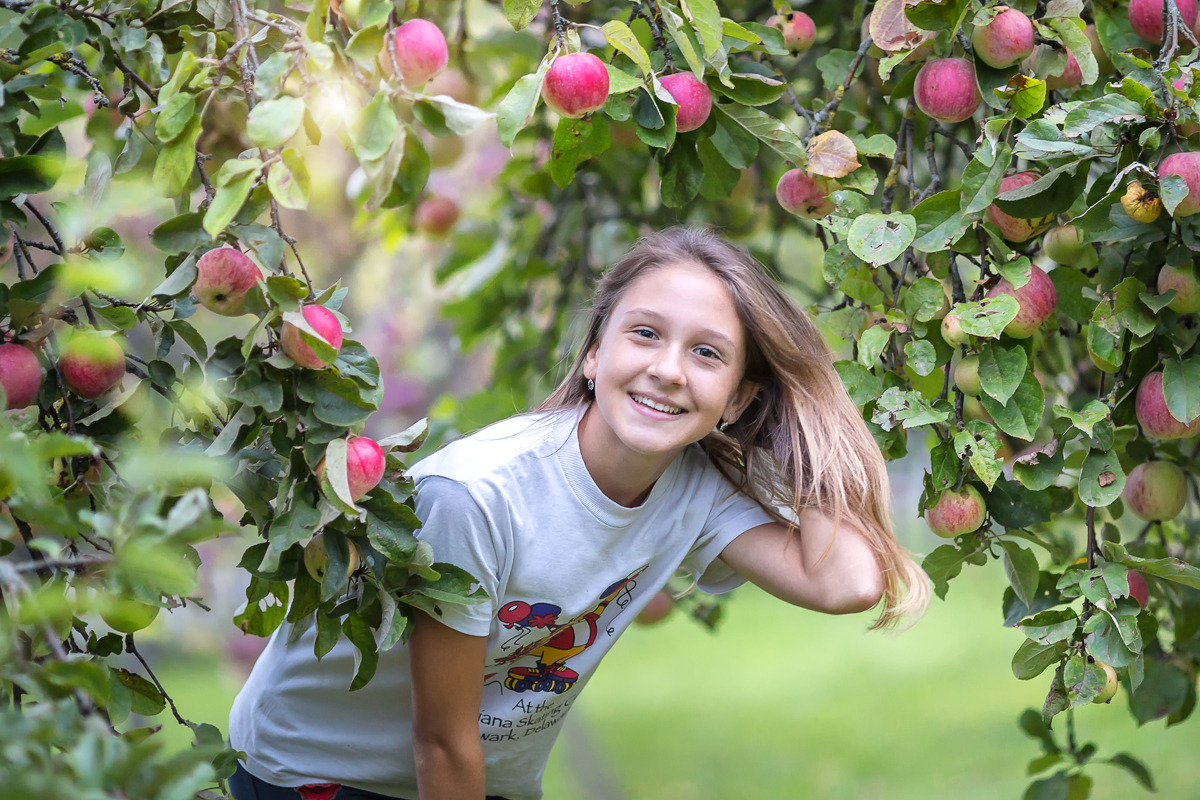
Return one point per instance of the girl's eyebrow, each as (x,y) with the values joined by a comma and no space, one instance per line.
(705,333)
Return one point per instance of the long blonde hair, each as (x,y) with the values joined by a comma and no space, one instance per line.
(801,443)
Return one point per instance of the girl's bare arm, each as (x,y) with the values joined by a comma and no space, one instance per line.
(447,688)
(811,567)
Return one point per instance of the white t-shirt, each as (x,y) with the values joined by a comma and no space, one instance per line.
(566,570)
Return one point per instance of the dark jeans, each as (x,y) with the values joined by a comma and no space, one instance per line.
(247,787)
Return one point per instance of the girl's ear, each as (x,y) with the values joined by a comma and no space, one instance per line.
(742,398)
(591,360)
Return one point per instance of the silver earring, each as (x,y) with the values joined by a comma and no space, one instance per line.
(591,385)
(722,426)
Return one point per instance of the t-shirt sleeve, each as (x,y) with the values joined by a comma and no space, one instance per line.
(733,513)
(458,530)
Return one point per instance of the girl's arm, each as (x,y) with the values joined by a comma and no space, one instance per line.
(811,567)
(447,688)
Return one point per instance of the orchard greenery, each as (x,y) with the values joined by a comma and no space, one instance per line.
(1008,254)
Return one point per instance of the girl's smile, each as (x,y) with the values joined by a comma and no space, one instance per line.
(668,367)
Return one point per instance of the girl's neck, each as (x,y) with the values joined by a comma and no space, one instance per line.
(625,478)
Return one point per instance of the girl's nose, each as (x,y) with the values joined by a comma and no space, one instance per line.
(668,366)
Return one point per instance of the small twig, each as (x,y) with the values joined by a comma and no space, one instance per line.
(831,107)
(50,229)
(130,647)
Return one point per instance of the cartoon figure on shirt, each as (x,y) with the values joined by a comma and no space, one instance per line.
(550,673)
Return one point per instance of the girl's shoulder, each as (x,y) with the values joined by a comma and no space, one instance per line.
(494,450)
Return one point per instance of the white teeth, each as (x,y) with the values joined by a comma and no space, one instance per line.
(646,401)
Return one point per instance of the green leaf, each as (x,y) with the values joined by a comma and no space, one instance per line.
(989,316)
(1135,768)
(1039,469)
(288,180)
(576,141)
(520,13)
(173,167)
(622,39)
(705,15)
(1101,479)
(1171,569)
(518,106)
(1032,659)
(1021,567)
(979,443)
(1021,415)
(939,222)
(1001,371)
(764,127)
(861,384)
(1086,418)
(881,238)
(921,356)
(273,122)
(924,298)
(682,174)
(1056,787)
(981,179)
(230,198)
(1181,388)
(175,116)
(1052,626)
(945,563)
(376,129)
(872,344)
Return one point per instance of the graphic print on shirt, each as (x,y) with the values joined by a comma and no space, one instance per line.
(540,639)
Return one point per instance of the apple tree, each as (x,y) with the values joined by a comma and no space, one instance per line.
(998,204)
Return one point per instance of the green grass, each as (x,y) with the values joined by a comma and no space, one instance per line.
(783,703)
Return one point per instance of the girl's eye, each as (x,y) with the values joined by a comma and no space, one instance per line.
(644,333)
(707,352)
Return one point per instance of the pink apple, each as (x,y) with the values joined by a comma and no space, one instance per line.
(91,364)
(956,513)
(364,466)
(223,277)
(1183,280)
(1011,228)
(1005,40)
(946,89)
(694,100)
(1145,17)
(797,28)
(419,51)
(327,326)
(1037,299)
(576,84)
(1187,166)
(1154,416)
(435,216)
(20,375)
(1156,490)
(804,195)
(1139,589)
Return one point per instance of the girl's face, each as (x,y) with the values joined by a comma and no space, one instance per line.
(668,366)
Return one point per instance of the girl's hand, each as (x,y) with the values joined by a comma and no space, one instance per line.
(447,688)
(810,567)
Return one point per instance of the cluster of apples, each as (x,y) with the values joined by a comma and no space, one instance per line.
(90,363)
(224,276)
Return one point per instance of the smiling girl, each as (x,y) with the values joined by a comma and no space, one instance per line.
(702,426)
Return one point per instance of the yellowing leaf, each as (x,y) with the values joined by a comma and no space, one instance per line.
(832,154)
(890,28)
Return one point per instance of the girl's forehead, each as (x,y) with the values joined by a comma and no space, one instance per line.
(684,292)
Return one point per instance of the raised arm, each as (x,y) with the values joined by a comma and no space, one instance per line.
(812,567)
(447,687)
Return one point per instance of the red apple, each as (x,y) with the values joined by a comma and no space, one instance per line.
(694,100)
(1138,588)
(91,364)
(657,609)
(1154,416)
(419,51)
(1037,299)
(946,89)
(1183,280)
(1005,40)
(576,84)
(797,28)
(1012,228)
(20,375)
(956,513)
(223,278)
(1186,165)
(364,466)
(1156,490)
(327,326)
(435,216)
(1145,17)
(804,195)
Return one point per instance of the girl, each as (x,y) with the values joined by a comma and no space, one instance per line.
(702,425)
